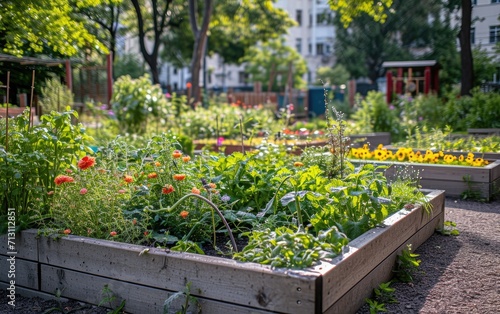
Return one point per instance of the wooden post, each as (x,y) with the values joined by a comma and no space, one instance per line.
(427,80)
(109,71)
(69,75)
(31,99)
(435,83)
(388,95)
(399,82)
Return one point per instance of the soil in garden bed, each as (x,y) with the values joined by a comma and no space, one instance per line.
(223,246)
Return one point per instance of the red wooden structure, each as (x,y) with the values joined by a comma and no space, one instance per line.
(411,77)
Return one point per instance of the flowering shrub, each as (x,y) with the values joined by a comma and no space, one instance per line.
(409,155)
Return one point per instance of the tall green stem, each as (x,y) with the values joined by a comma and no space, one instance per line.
(206,200)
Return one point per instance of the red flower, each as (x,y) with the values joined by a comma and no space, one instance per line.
(152,175)
(67,231)
(83,191)
(134,221)
(146,233)
(128,179)
(177,154)
(179,177)
(189,85)
(167,189)
(60,179)
(184,214)
(113,233)
(86,162)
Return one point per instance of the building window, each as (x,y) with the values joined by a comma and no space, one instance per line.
(298,44)
(310,19)
(494,34)
(310,48)
(319,49)
(175,70)
(242,77)
(298,17)
(472,35)
(493,1)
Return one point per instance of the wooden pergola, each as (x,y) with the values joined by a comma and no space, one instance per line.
(417,77)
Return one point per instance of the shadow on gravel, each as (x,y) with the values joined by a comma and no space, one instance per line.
(436,254)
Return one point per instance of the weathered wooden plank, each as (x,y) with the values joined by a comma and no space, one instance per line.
(455,188)
(138,299)
(354,298)
(442,172)
(247,284)
(370,249)
(25,272)
(26,244)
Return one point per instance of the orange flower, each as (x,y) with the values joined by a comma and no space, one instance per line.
(212,185)
(128,179)
(67,231)
(86,162)
(186,158)
(298,164)
(189,85)
(60,179)
(102,170)
(167,189)
(134,221)
(152,175)
(113,233)
(184,214)
(157,164)
(179,177)
(177,154)
(194,190)
(146,233)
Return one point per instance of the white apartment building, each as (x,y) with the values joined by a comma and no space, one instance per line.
(485,30)
(313,38)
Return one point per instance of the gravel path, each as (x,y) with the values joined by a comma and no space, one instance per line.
(458,274)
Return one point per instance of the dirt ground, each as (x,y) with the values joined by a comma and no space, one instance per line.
(457,274)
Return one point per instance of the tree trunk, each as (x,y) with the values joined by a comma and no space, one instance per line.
(200,41)
(465,49)
(159,23)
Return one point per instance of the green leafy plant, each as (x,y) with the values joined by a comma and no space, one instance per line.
(375,307)
(135,101)
(383,294)
(190,305)
(108,297)
(449,229)
(470,192)
(406,265)
(30,159)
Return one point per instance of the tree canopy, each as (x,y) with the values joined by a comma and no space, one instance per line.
(271,62)
(49,26)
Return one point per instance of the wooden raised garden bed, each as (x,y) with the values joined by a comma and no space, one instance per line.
(455,180)
(79,268)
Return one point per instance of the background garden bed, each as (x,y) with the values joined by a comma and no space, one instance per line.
(80,267)
(482,182)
